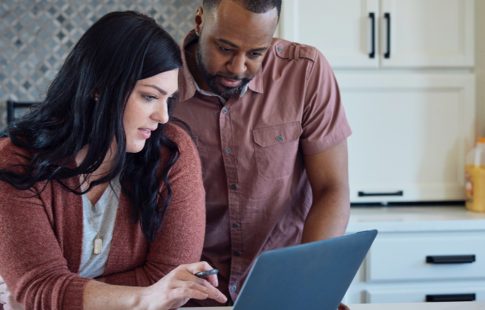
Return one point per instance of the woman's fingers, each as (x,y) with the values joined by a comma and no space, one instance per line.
(191,286)
(217,295)
(210,282)
(213,280)
(203,266)
(196,267)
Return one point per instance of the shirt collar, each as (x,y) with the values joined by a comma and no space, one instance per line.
(189,85)
(186,80)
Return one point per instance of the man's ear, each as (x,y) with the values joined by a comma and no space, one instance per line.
(198,20)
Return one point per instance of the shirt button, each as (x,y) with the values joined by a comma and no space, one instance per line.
(225,110)
(228,150)
(236,253)
(280,138)
(233,187)
(233,288)
(235,225)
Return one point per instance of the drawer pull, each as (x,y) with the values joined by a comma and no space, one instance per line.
(450,297)
(368,194)
(450,259)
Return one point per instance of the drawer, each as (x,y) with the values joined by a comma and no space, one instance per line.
(415,294)
(403,257)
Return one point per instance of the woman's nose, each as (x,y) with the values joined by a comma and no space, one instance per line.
(160,115)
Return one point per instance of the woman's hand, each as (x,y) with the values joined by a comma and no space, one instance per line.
(180,285)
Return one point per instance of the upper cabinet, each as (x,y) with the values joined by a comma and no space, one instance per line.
(405,70)
(384,33)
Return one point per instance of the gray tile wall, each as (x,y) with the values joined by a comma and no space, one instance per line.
(36,36)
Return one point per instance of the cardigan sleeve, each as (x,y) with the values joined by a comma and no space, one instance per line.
(31,260)
(180,239)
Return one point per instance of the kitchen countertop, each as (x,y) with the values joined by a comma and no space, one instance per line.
(398,218)
(413,306)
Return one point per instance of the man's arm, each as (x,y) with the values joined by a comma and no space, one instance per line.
(328,175)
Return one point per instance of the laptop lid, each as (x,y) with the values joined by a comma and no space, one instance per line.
(309,276)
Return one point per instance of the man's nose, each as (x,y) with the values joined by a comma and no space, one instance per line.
(237,66)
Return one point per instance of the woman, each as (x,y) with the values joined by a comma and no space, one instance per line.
(100,198)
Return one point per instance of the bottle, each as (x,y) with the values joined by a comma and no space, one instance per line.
(475,177)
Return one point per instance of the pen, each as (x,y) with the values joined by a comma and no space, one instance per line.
(205,274)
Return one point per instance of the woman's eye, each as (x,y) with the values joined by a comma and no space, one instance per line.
(149,98)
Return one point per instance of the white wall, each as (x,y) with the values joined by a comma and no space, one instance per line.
(480,63)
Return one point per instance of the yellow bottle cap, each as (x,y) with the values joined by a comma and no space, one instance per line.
(481,140)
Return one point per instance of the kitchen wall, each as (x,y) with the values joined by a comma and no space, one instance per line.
(480,63)
(36,35)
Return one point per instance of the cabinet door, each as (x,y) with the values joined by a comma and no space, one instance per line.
(340,29)
(410,135)
(411,33)
(427,33)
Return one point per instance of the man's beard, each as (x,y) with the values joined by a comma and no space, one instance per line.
(216,88)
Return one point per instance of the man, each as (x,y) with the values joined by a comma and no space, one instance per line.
(271,132)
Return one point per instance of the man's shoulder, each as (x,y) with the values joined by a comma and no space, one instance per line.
(289,50)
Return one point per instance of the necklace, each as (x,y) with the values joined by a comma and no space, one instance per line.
(98,244)
(97,194)
(98,240)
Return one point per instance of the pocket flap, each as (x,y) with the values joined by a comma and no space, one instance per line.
(267,136)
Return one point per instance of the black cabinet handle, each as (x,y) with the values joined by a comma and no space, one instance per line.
(372,53)
(387,17)
(373,194)
(450,297)
(450,259)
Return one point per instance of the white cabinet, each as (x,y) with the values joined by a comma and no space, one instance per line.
(384,33)
(405,70)
(420,254)
(411,132)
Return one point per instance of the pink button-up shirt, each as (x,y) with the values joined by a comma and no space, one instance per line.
(252,147)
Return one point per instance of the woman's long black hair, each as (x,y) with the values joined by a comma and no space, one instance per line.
(84,105)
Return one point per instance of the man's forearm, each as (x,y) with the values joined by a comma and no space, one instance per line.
(328,217)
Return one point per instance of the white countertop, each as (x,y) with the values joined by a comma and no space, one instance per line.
(398,218)
(413,306)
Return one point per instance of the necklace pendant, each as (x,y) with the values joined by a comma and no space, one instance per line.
(98,245)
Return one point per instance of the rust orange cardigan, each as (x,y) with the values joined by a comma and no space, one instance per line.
(40,234)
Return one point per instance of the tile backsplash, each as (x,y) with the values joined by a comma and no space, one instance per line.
(37,35)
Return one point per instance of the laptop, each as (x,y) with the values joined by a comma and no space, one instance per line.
(309,276)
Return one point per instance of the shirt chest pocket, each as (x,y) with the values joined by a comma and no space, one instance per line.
(276,149)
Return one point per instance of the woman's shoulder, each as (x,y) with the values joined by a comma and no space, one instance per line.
(179,136)
(189,156)
(10,153)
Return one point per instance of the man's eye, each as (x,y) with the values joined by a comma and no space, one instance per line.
(224,49)
(255,54)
